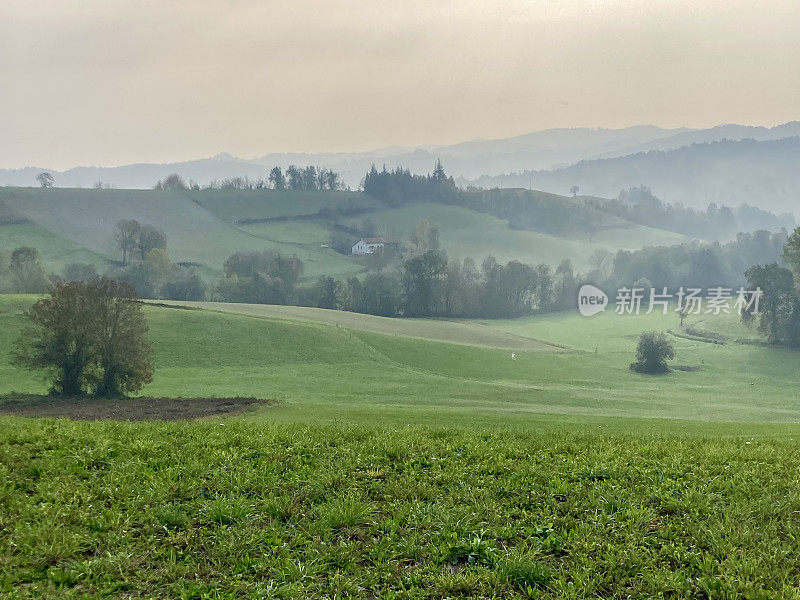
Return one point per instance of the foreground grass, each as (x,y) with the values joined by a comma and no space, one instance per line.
(232,509)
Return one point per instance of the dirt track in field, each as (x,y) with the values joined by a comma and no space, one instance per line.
(125,409)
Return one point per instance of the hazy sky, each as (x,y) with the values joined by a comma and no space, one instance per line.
(108,82)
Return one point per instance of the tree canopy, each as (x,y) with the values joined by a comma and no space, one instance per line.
(88,336)
(652,353)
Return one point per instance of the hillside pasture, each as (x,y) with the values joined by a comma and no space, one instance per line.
(88,218)
(464,332)
(389,465)
(234,206)
(207,226)
(56,251)
(468,233)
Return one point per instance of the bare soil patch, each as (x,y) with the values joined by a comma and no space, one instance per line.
(124,409)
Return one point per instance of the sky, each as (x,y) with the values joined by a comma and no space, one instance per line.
(109,82)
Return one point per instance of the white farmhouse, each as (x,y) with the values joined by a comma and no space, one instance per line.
(370,245)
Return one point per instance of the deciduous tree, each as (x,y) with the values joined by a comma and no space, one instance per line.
(276,179)
(60,339)
(88,334)
(27,272)
(150,238)
(118,332)
(127,237)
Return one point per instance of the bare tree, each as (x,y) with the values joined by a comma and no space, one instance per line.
(574,190)
(127,237)
(171,182)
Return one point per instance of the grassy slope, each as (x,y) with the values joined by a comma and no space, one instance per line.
(467,233)
(203,226)
(56,251)
(88,218)
(325,372)
(526,486)
(234,205)
(467,332)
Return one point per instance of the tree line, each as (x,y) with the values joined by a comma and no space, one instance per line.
(778,316)
(522,209)
(691,264)
(308,178)
(417,280)
(424,285)
(639,205)
(548,213)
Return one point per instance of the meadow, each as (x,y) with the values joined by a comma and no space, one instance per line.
(56,252)
(413,459)
(207,226)
(237,508)
(468,233)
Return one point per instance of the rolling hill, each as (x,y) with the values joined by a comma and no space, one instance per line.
(205,227)
(765,174)
(328,365)
(391,465)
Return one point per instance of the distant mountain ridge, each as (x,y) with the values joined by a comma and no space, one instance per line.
(763,173)
(541,150)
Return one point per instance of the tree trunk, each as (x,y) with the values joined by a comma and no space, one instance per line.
(70,384)
(108,386)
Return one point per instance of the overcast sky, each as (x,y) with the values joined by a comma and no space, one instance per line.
(109,82)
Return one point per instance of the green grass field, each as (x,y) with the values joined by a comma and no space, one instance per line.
(242,509)
(328,366)
(56,252)
(414,459)
(467,233)
(233,206)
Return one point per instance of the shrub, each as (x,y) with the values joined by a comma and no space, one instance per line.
(652,353)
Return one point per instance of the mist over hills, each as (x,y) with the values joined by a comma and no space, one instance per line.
(693,166)
(760,173)
(538,150)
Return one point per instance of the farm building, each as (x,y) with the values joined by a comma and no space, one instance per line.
(371,244)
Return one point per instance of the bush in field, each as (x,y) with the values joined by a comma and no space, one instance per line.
(652,353)
(88,335)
